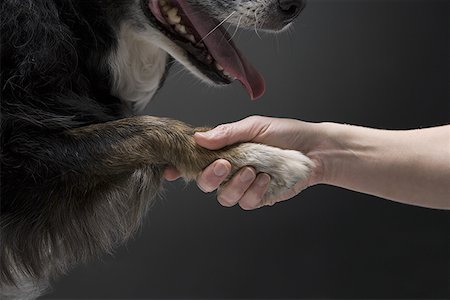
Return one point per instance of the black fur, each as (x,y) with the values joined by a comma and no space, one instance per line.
(77,170)
(53,79)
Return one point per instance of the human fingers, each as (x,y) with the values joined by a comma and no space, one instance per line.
(288,194)
(232,192)
(227,134)
(171,174)
(253,197)
(210,179)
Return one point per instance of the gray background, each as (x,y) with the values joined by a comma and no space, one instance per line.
(373,63)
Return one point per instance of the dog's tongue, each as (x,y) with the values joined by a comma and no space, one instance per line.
(224,51)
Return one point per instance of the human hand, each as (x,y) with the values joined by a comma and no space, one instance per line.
(383,163)
(247,188)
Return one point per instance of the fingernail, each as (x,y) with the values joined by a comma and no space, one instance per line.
(247,175)
(220,170)
(263,180)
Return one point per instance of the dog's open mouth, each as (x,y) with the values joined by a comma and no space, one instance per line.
(207,44)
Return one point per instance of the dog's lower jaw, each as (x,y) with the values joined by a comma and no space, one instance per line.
(141,61)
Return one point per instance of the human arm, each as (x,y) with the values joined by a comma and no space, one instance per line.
(408,166)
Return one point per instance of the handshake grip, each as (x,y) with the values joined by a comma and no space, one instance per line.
(285,167)
(146,142)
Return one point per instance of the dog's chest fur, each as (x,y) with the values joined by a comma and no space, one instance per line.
(137,67)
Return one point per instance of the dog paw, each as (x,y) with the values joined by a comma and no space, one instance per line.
(285,167)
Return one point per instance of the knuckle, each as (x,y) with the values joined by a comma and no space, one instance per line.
(253,118)
(235,189)
(222,130)
(207,181)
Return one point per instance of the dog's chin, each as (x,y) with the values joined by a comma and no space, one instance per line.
(202,45)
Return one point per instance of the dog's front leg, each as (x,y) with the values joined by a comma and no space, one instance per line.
(160,142)
(75,195)
(71,195)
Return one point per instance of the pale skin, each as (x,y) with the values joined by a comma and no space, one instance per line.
(407,166)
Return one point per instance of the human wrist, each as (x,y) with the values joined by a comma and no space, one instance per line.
(354,156)
(338,147)
(317,141)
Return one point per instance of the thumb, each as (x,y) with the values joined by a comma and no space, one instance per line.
(227,134)
(215,138)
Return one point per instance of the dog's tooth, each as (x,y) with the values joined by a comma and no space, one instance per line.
(180,28)
(191,38)
(173,16)
(209,58)
(165,8)
(219,67)
(226,74)
(163,2)
(173,11)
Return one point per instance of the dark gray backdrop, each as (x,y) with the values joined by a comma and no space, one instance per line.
(374,63)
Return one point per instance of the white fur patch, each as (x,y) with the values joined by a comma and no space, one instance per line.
(137,66)
(139,63)
(286,167)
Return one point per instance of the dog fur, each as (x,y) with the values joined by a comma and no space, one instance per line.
(79,169)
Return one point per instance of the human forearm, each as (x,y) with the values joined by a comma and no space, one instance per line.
(411,166)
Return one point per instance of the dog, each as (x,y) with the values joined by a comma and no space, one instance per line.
(79,167)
